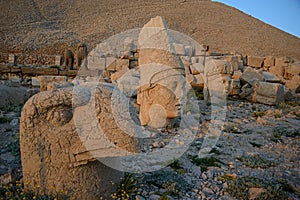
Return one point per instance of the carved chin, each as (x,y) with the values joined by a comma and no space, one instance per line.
(158,116)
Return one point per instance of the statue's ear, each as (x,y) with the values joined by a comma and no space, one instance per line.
(144,96)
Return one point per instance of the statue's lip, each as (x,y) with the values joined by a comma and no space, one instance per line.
(178,105)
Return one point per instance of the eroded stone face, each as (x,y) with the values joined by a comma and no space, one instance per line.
(158,104)
(162,75)
(52,146)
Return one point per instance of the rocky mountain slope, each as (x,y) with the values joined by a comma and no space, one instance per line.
(50,26)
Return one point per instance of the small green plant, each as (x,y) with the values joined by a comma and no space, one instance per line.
(276,137)
(126,188)
(286,131)
(277,115)
(257,114)
(199,95)
(176,165)
(204,163)
(291,103)
(230,128)
(282,105)
(16,191)
(239,188)
(10,107)
(164,197)
(174,183)
(256,161)
(215,151)
(195,94)
(226,177)
(4,120)
(254,144)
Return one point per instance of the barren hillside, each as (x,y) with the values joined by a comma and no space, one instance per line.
(50,26)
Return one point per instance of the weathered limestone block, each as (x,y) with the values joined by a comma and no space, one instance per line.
(12,59)
(118,65)
(234,87)
(4,69)
(254,61)
(45,80)
(48,71)
(15,69)
(61,138)
(187,60)
(80,56)
(268,93)
(292,70)
(189,51)
(197,68)
(269,61)
(237,75)
(250,74)
(234,61)
(115,76)
(197,81)
(216,82)
(68,59)
(30,71)
(129,83)
(293,83)
(57,85)
(180,49)
(129,45)
(194,60)
(271,78)
(219,67)
(58,60)
(288,94)
(162,75)
(246,92)
(280,65)
(97,60)
(69,73)
(35,81)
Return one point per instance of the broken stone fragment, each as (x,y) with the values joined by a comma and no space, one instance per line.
(60,140)
(45,80)
(268,93)
(269,61)
(293,83)
(234,87)
(271,78)
(59,84)
(118,65)
(197,81)
(250,75)
(197,68)
(292,70)
(254,61)
(247,91)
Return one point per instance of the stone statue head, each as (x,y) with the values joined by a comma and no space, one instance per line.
(160,99)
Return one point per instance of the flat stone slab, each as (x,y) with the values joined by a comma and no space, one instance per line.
(271,78)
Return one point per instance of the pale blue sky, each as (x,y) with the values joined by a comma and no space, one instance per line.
(283,14)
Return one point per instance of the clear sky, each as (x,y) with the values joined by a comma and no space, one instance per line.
(283,14)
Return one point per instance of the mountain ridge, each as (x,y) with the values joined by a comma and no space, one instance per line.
(52,26)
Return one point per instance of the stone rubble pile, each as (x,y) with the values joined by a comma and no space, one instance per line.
(244,77)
